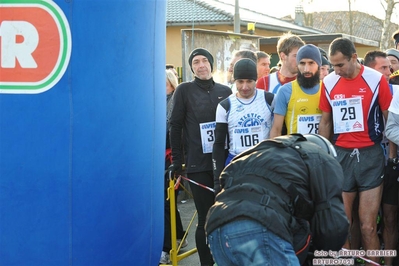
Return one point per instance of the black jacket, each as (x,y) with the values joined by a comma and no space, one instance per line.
(194,102)
(255,185)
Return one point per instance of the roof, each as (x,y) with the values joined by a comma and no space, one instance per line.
(324,38)
(211,12)
(363,25)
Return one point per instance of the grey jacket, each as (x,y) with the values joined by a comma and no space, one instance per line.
(392,128)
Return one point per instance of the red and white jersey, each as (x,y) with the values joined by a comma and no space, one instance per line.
(356,107)
(273,82)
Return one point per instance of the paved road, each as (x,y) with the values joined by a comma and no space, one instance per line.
(186,206)
(187,210)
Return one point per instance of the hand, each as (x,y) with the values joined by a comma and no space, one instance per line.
(175,169)
(217,188)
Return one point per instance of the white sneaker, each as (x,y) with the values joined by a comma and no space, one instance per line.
(164,258)
(184,244)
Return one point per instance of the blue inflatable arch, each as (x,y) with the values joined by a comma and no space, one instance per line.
(82,151)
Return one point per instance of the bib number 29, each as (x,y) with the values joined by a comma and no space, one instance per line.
(348,113)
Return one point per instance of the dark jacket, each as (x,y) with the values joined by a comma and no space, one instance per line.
(169,104)
(194,102)
(255,185)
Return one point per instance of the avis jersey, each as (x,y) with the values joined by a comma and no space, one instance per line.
(249,121)
(373,90)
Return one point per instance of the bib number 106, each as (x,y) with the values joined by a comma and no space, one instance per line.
(249,140)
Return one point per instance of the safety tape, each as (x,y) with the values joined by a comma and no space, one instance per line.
(198,184)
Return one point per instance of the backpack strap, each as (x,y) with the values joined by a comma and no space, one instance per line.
(269,97)
(226,104)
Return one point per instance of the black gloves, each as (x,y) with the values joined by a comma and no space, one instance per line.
(174,169)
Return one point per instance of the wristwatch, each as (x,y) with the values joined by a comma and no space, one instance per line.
(393,161)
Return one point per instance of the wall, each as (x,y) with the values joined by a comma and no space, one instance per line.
(174,39)
(221,45)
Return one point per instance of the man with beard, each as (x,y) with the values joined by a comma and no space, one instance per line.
(297,102)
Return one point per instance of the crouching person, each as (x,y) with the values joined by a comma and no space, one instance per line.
(273,198)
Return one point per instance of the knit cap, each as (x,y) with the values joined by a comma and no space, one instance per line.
(200,51)
(324,58)
(393,52)
(309,51)
(245,69)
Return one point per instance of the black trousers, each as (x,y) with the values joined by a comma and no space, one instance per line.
(203,200)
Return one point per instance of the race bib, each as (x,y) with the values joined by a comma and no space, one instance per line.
(308,124)
(208,136)
(347,115)
(246,137)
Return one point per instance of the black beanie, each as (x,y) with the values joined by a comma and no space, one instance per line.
(324,61)
(245,69)
(200,51)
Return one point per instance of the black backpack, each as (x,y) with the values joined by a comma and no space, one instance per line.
(322,221)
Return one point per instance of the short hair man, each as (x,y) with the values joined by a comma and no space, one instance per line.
(266,192)
(351,102)
(379,61)
(245,118)
(393,56)
(287,48)
(193,111)
(237,56)
(263,65)
(297,102)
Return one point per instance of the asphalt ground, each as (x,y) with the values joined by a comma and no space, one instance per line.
(187,211)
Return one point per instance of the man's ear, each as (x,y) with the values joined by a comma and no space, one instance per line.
(354,56)
(283,56)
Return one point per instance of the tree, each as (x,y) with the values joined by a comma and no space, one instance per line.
(350,18)
(385,35)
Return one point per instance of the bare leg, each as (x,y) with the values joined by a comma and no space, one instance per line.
(356,241)
(348,198)
(369,203)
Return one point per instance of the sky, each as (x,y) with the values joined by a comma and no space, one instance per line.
(281,8)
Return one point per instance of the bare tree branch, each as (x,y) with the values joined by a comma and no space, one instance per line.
(385,38)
